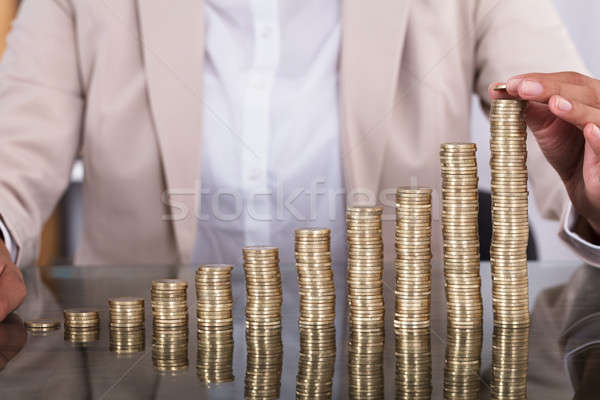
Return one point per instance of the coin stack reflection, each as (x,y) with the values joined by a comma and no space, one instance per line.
(81,325)
(508,252)
(463,359)
(317,313)
(264,298)
(510,348)
(413,293)
(365,301)
(214,301)
(127,334)
(170,325)
(316,363)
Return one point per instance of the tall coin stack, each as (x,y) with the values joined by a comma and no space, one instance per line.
(315,278)
(463,360)
(81,325)
(214,302)
(508,253)
(461,234)
(510,220)
(317,313)
(170,325)
(461,269)
(127,334)
(264,298)
(365,300)
(316,363)
(413,293)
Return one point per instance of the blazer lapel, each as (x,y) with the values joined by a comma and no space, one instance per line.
(173,48)
(373,41)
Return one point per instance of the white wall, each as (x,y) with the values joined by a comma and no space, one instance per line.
(582,18)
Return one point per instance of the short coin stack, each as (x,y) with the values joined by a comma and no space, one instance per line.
(510,348)
(317,314)
(413,293)
(214,302)
(315,278)
(463,359)
(170,325)
(316,363)
(365,300)
(127,333)
(264,298)
(81,325)
(510,222)
(461,234)
(42,327)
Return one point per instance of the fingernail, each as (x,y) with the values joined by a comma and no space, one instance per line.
(531,88)
(563,104)
(513,84)
(596,130)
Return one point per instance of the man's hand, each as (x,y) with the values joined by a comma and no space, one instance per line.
(564,115)
(12,287)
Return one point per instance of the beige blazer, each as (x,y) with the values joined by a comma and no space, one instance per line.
(120,82)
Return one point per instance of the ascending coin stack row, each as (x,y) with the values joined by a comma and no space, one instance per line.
(214,312)
(264,298)
(127,334)
(508,253)
(81,325)
(170,325)
(317,313)
(461,270)
(365,301)
(413,293)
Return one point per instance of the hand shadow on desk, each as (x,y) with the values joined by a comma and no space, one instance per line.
(13,337)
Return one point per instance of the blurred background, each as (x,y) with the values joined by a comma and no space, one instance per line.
(59,238)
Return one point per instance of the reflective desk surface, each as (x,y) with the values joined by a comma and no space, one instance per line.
(565,304)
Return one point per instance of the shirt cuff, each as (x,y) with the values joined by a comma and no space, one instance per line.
(9,242)
(583,246)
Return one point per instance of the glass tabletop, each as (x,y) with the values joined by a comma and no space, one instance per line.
(565,305)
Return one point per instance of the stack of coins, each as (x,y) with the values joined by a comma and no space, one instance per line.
(315,278)
(264,298)
(463,359)
(263,363)
(41,327)
(413,293)
(81,325)
(508,253)
(510,347)
(316,363)
(510,222)
(214,301)
(127,334)
(365,301)
(461,234)
(317,313)
(170,325)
